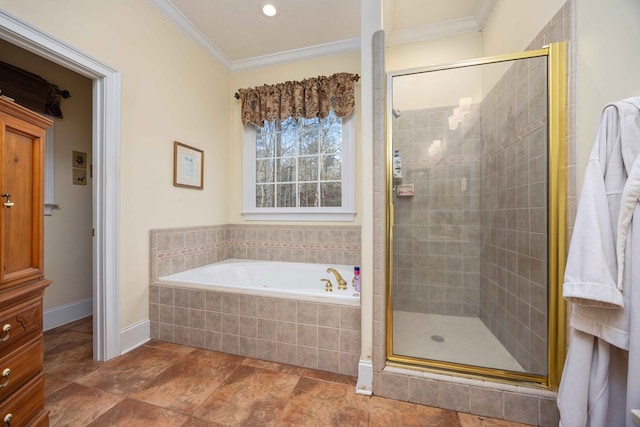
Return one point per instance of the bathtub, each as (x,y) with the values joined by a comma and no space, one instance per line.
(289,280)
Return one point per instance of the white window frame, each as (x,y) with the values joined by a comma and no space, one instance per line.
(346,212)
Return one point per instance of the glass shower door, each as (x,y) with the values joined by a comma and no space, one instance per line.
(469,196)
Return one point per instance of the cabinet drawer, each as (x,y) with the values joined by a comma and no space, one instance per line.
(23,405)
(20,323)
(19,367)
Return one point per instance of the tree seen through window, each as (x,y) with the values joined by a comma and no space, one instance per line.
(299,163)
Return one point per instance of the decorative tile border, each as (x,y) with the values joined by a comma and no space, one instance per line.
(172,253)
(520,133)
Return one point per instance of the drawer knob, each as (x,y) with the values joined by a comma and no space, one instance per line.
(8,203)
(5,375)
(8,418)
(6,328)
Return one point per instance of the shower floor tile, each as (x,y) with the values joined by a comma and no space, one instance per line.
(455,339)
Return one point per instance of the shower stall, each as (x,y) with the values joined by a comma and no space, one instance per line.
(475,218)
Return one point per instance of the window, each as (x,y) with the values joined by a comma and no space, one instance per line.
(299,169)
(49,199)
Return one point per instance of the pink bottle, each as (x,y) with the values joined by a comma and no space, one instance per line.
(356,278)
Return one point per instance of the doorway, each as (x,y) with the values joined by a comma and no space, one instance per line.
(105,148)
(67,188)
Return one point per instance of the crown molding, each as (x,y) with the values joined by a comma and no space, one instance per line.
(178,18)
(440,29)
(408,35)
(174,14)
(483,11)
(296,55)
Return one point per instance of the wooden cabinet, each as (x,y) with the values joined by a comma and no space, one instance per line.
(22,281)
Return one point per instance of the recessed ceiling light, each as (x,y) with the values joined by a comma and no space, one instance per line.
(269,10)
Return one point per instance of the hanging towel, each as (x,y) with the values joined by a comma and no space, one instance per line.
(601,378)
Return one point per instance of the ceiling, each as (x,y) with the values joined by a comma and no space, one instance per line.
(238,35)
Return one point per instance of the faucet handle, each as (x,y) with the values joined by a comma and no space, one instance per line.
(328,286)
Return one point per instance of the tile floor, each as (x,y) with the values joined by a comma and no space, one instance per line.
(466,340)
(162,384)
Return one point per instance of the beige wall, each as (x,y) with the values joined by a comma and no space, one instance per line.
(171,90)
(437,89)
(513,24)
(349,63)
(67,236)
(443,50)
(607,62)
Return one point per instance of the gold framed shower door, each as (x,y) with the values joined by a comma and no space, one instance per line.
(556,224)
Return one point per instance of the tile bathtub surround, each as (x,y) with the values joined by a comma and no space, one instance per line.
(173,250)
(306,334)
(177,249)
(296,243)
(168,384)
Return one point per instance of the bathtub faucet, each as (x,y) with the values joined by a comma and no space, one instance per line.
(342,284)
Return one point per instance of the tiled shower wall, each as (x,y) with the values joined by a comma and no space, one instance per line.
(178,249)
(513,290)
(437,231)
(487,175)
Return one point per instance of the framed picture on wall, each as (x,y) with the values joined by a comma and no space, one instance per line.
(79,160)
(188,164)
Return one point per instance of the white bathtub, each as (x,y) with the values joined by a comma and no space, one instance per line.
(291,280)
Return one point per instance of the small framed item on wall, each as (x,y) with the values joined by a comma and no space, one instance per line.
(79,176)
(188,164)
(79,168)
(79,160)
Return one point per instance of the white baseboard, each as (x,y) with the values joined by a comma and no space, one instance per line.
(67,313)
(134,336)
(365,378)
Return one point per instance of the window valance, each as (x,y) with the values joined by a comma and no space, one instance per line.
(313,97)
(31,90)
